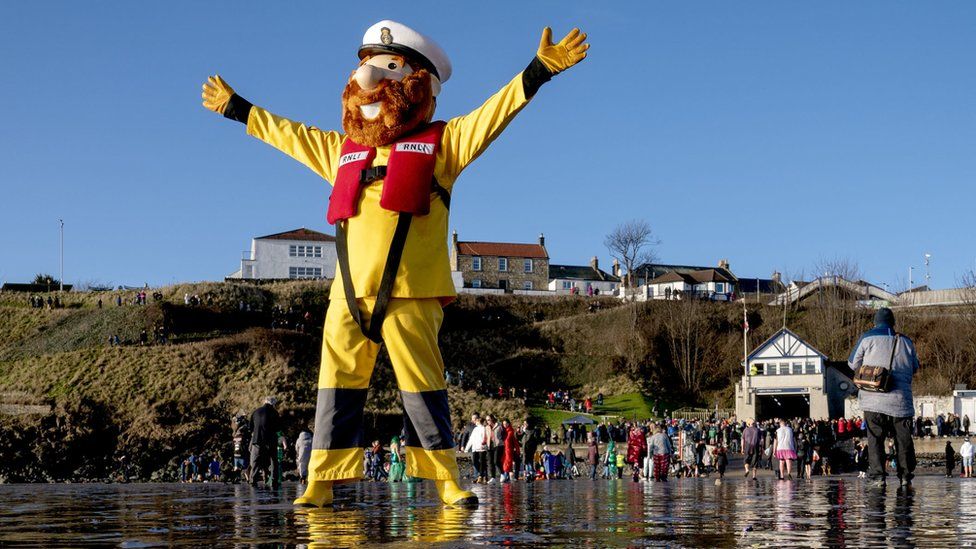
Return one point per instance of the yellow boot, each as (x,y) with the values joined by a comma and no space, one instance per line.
(452,494)
(317,494)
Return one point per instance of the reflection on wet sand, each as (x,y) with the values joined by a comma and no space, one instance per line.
(683,512)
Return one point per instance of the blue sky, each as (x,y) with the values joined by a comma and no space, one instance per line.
(774,134)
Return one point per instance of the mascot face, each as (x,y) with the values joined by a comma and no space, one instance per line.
(385,99)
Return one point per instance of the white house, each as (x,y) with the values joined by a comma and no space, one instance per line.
(301,253)
(788,377)
(712,284)
(582,279)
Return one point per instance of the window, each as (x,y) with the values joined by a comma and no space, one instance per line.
(810,368)
(527,265)
(502,264)
(567,285)
(760,368)
(476,263)
(476,283)
(720,287)
(304,272)
(297,250)
(784,368)
(527,285)
(797,368)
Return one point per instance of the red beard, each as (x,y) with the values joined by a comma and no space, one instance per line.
(405,105)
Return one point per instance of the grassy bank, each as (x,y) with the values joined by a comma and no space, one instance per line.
(156,403)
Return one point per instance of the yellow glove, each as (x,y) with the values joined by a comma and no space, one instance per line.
(568,52)
(216,94)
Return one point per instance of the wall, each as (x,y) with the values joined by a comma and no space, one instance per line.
(271,259)
(605,287)
(515,275)
(938,405)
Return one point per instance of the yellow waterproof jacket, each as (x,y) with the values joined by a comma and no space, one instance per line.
(424,268)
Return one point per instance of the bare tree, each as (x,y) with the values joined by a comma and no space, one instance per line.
(632,243)
(834,315)
(691,344)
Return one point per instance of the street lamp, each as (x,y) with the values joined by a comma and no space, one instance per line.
(61,278)
(928,275)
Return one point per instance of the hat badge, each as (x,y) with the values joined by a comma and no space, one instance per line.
(385,37)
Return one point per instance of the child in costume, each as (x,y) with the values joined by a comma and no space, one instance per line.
(396,461)
(392,173)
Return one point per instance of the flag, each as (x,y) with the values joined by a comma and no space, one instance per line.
(745,320)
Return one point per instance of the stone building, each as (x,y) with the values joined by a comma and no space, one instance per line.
(501,265)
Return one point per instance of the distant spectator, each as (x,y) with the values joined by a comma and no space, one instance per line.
(264,438)
(214,469)
(303,453)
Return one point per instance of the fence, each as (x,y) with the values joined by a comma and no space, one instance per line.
(702,414)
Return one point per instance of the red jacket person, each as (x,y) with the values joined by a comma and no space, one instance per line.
(392,171)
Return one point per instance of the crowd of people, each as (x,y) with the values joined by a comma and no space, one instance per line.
(657,449)
(38,302)
(290,318)
(505,451)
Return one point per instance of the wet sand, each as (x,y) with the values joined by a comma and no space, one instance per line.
(833,511)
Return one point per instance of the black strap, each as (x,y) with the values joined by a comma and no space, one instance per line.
(441,192)
(891,359)
(389,276)
(372,331)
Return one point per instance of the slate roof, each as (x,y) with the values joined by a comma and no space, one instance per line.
(299,234)
(694,277)
(580,272)
(654,270)
(31,287)
(673,276)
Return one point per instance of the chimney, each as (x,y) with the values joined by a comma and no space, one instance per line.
(542,239)
(454,239)
(777,277)
(616,268)
(723,264)
(595,263)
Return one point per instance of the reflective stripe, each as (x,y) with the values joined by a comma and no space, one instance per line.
(428,420)
(339,419)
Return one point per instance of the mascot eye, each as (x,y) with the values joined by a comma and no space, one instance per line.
(392,66)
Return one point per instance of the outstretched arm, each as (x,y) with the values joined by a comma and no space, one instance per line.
(466,137)
(312,147)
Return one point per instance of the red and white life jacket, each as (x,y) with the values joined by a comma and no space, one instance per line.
(409,174)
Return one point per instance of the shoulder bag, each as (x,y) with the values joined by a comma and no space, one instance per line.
(876,379)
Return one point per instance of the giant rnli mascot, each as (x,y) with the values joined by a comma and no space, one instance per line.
(393,172)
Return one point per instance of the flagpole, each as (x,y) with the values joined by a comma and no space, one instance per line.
(745,337)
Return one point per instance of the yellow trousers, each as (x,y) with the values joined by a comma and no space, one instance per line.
(410,333)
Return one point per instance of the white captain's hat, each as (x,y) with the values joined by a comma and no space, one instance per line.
(392,37)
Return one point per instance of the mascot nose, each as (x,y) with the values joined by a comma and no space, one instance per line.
(368,76)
